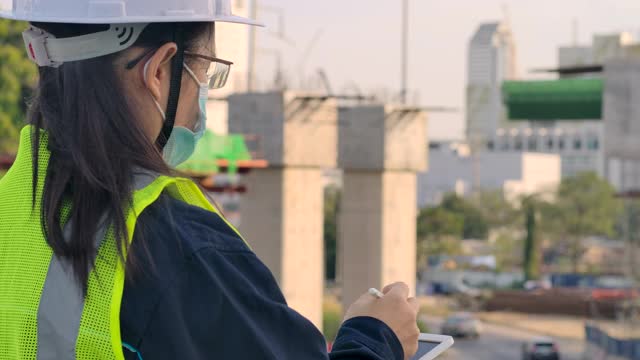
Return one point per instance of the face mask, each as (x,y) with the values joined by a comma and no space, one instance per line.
(182,142)
(203,97)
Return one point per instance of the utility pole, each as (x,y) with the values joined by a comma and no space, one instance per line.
(405,50)
(253,13)
(253,48)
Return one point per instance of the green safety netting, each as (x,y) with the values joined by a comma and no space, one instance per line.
(564,99)
(212,148)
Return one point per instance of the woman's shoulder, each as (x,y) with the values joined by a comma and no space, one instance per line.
(183,229)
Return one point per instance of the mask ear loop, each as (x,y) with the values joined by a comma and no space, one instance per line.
(155,102)
(174,88)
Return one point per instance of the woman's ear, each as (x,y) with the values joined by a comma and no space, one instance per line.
(157,70)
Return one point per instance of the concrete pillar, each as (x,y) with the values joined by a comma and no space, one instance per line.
(380,150)
(282,213)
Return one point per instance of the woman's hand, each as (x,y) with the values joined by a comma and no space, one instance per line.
(396,310)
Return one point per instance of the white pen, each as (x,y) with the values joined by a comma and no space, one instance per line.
(375,292)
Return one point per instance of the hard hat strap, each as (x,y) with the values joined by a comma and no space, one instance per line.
(174,87)
(46,50)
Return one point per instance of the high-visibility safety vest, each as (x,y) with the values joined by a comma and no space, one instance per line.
(43,314)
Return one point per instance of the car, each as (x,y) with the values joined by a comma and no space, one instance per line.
(532,285)
(462,325)
(540,349)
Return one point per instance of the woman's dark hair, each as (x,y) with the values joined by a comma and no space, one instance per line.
(96,145)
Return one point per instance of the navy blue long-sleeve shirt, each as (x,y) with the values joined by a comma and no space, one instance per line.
(198,292)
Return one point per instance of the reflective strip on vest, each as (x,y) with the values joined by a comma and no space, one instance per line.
(59,321)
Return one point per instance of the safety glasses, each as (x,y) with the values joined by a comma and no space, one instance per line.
(217,72)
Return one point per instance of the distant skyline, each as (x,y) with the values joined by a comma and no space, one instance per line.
(359,42)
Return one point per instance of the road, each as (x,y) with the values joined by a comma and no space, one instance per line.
(501,343)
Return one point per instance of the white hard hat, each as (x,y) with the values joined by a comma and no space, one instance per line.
(127,20)
(120,11)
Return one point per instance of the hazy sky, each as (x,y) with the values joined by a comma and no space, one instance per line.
(359,41)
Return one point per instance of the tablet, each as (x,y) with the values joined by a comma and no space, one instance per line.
(430,346)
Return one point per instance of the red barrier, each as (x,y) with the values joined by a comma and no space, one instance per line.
(575,302)
(6,161)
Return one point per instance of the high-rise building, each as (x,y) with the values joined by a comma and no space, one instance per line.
(500,154)
(581,140)
(492,60)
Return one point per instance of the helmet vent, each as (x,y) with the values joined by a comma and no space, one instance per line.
(126,34)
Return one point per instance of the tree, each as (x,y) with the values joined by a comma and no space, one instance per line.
(438,222)
(439,233)
(531,247)
(17,78)
(496,210)
(585,205)
(331,208)
(628,224)
(475,225)
(508,251)
(505,223)
(628,230)
(441,229)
